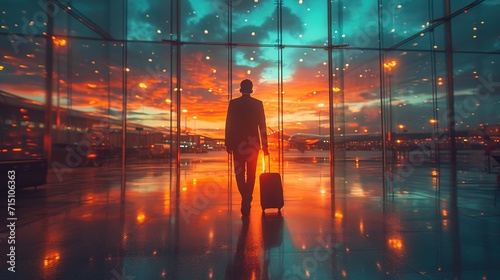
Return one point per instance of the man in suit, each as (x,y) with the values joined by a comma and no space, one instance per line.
(245,134)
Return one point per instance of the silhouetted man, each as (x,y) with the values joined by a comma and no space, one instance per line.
(245,133)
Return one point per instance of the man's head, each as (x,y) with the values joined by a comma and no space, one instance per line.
(246,86)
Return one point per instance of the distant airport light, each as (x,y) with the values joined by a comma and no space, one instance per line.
(141,217)
(390,65)
(59,42)
(396,243)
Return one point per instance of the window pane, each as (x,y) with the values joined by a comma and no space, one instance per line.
(148,20)
(477,30)
(305,23)
(204,89)
(255,22)
(204,21)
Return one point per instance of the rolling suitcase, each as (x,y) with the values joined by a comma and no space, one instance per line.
(271,190)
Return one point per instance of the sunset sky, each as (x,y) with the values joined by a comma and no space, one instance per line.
(94,65)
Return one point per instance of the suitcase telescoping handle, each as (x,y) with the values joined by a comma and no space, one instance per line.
(268,162)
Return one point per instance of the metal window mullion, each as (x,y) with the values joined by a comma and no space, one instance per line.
(383,121)
(124,98)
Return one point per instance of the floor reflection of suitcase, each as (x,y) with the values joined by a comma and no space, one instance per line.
(272,229)
(271,190)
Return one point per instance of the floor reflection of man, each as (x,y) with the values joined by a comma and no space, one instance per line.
(247,261)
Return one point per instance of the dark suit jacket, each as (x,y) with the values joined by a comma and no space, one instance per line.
(245,120)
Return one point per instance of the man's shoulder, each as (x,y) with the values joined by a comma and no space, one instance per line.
(245,99)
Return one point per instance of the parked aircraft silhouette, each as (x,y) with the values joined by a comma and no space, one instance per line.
(305,141)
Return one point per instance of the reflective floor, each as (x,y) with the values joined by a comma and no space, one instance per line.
(188,225)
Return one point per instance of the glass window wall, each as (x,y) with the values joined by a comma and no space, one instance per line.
(167,69)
